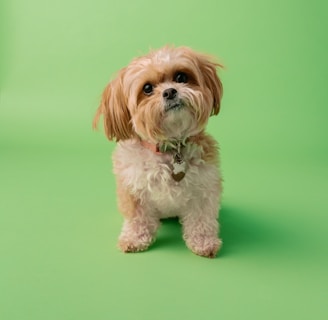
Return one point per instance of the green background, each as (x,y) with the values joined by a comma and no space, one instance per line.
(58,217)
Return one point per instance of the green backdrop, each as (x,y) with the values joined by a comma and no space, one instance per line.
(58,217)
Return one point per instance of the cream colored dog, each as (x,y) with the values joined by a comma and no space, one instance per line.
(157,109)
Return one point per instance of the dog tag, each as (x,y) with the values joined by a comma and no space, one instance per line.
(179,167)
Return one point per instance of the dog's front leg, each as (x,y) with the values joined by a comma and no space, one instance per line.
(138,233)
(200,231)
(140,223)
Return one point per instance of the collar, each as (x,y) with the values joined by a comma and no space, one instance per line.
(166,146)
(151,146)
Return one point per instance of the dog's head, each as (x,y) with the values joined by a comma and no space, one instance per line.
(168,94)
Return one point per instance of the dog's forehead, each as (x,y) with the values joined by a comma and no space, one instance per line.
(163,56)
(160,57)
(159,64)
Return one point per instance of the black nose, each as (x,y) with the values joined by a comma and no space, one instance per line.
(169,93)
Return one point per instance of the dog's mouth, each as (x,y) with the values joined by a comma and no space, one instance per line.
(174,106)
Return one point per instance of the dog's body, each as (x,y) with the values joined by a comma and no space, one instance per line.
(165,165)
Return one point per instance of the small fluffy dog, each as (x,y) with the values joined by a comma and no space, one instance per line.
(166,166)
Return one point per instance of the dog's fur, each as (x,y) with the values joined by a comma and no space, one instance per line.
(142,118)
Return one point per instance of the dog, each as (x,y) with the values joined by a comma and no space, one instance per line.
(157,109)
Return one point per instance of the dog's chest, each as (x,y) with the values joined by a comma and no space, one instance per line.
(148,176)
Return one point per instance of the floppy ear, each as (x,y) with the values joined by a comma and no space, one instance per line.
(213,82)
(113,107)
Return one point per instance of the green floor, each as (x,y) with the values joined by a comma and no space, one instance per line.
(58,217)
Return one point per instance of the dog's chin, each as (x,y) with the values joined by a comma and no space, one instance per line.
(178,122)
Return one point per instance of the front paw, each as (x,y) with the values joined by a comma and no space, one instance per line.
(203,245)
(134,243)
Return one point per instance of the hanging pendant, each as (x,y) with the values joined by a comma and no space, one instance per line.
(179,167)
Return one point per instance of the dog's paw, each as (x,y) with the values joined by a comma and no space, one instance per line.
(204,246)
(135,243)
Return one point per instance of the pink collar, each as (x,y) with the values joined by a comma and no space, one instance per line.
(151,146)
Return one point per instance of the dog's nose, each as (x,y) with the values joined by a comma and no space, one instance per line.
(169,94)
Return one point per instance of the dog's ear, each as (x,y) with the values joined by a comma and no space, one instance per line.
(209,70)
(113,107)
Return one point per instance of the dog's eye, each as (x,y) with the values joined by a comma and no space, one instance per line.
(181,77)
(147,89)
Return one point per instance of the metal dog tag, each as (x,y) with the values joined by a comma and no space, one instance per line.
(179,167)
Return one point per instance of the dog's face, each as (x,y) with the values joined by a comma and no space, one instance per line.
(167,94)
